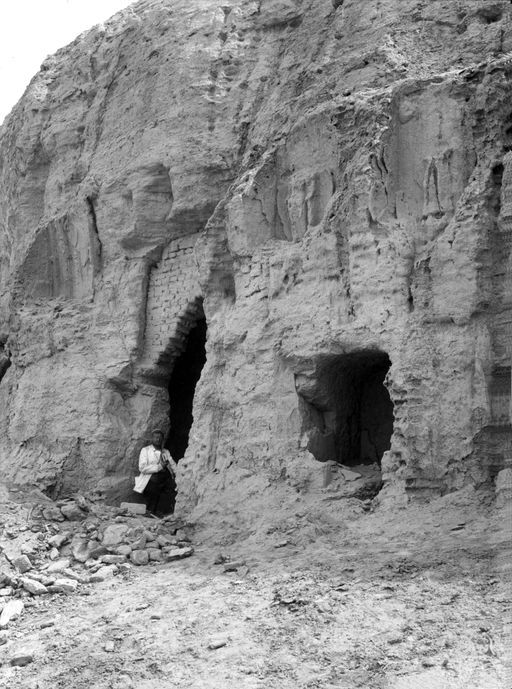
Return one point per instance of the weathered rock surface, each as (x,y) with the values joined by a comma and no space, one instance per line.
(328,183)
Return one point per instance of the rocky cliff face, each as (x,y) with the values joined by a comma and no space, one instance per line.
(327,185)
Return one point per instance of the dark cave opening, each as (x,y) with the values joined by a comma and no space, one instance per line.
(348,409)
(186,372)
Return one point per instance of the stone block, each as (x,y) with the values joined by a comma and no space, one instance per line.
(133,507)
(113,559)
(139,557)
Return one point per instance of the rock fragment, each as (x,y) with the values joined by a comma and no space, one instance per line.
(217,642)
(114,534)
(178,553)
(52,513)
(96,549)
(71,574)
(133,507)
(139,543)
(182,535)
(22,564)
(348,474)
(72,512)
(58,566)
(124,550)
(11,611)
(103,573)
(113,559)
(34,587)
(139,557)
(64,586)
(234,566)
(21,659)
(59,539)
(80,548)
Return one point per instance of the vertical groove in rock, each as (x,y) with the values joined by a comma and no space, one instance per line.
(96,246)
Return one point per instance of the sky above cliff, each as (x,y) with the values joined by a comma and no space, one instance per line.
(30,30)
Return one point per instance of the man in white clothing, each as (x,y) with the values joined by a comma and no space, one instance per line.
(156,480)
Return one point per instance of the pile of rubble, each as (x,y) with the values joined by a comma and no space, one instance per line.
(65,546)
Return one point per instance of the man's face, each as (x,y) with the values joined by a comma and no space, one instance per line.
(157,439)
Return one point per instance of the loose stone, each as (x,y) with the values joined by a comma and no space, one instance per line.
(11,611)
(34,587)
(22,564)
(72,512)
(178,553)
(103,573)
(64,586)
(139,557)
(114,534)
(22,659)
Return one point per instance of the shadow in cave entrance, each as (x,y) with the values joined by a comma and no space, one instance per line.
(182,384)
(347,411)
(186,371)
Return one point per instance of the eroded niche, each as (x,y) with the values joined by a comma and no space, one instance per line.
(346,407)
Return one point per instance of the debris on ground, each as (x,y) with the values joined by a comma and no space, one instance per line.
(65,546)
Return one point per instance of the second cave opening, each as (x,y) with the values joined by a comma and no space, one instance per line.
(347,409)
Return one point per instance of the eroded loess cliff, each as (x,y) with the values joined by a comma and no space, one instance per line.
(316,199)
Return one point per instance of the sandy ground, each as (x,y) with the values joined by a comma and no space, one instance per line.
(405,599)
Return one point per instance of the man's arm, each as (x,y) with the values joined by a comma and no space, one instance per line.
(171,464)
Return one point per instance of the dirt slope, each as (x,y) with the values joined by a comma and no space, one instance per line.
(406,599)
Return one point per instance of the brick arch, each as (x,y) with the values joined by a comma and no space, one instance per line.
(174,303)
(176,344)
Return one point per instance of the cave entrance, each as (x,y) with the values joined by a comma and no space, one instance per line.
(186,371)
(347,408)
